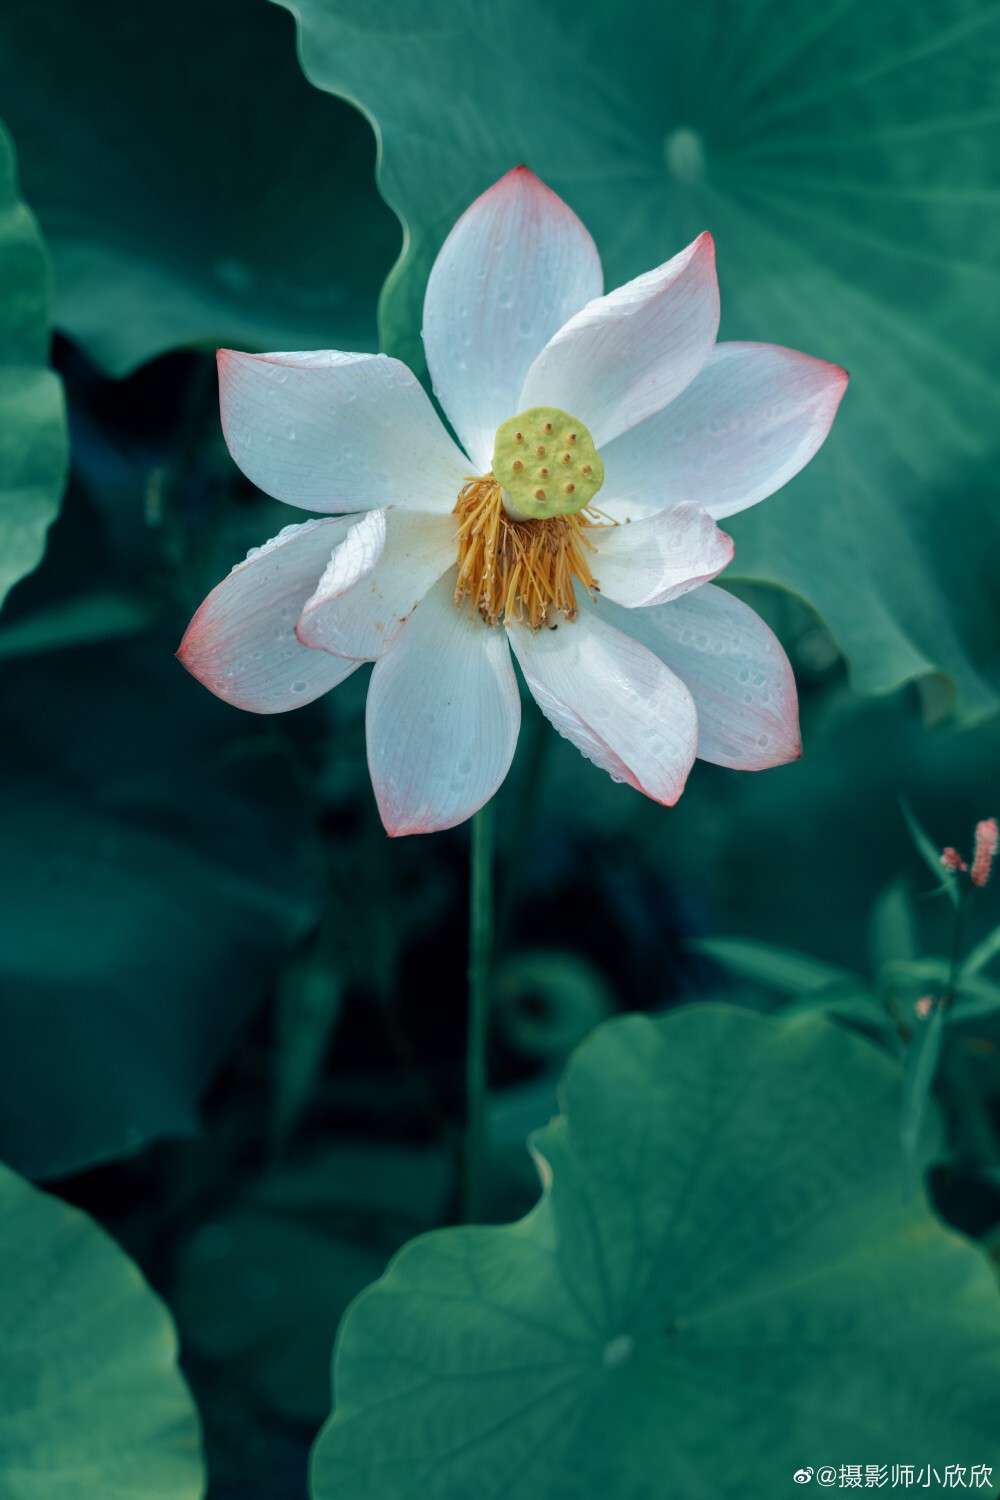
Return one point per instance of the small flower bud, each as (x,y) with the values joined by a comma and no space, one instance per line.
(984,851)
(924,1006)
(952,860)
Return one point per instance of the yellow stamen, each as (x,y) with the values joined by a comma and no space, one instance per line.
(523,570)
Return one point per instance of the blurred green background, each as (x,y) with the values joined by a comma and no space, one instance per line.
(232,1013)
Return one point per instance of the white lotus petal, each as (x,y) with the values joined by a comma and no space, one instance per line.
(614,700)
(739,676)
(375,579)
(336,432)
(443,716)
(641,563)
(751,419)
(515,267)
(241,643)
(626,355)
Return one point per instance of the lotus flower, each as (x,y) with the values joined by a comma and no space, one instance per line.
(603,437)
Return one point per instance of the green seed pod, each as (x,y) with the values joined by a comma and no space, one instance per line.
(546,461)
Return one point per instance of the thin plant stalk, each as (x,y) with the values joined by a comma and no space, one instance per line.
(480,975)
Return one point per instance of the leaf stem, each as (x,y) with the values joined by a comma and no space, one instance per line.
(956,946)
(923,1057)
(480,975)
(539,737)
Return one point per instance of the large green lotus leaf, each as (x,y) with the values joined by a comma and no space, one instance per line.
(34,445)
(191,185)
(92,1404)
(722,1251)
(847,162)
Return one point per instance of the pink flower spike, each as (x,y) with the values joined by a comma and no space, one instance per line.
(984,851)
(952,860)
